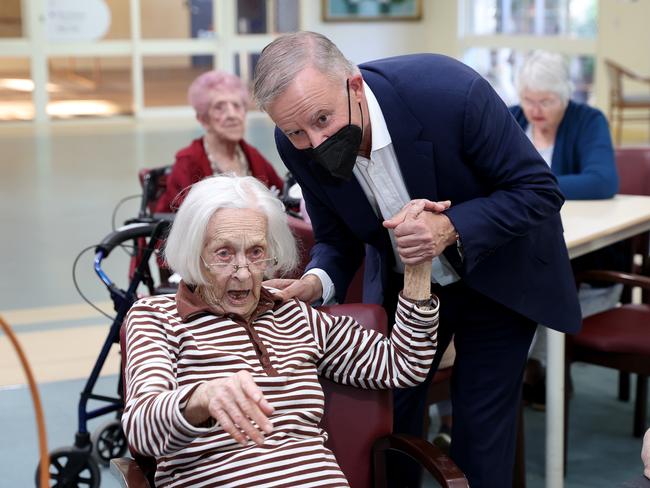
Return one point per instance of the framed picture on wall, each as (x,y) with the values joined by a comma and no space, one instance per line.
(371,10)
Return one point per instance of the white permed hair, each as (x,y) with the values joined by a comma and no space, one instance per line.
(188,233)
(545,71)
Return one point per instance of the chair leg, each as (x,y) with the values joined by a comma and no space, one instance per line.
(640,405)
(623,386)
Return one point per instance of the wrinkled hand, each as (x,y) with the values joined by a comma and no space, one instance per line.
(235,402)
(308,288)
(645,454)
(422,232)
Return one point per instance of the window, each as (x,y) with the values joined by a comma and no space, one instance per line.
(498,34)
(575,18)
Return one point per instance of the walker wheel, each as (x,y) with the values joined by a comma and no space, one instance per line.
(108,442)
(71,468)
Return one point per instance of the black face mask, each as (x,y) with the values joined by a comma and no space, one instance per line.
(338,153)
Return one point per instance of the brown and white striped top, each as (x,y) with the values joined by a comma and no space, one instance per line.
(175,343)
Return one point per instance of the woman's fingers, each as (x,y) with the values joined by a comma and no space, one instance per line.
(308,288)
(239,406)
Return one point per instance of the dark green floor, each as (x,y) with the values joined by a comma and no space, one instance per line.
(602,451)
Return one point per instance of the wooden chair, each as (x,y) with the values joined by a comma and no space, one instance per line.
(618,338)
(633,166)
(619,102)
(360,437)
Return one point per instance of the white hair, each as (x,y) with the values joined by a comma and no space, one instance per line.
(288,55)
(187,236)
(545,71)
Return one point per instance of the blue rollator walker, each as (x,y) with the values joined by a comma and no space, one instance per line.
(78,465)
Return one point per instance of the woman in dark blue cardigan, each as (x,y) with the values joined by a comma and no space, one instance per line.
(577,134)
(574,140)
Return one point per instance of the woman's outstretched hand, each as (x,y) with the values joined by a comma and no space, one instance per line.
(235,402)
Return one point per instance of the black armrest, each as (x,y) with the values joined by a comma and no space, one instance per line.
(441,467)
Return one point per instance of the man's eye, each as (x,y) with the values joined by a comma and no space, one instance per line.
(323,119)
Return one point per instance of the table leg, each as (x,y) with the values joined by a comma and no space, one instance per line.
(555,409)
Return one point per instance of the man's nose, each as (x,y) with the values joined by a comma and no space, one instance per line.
(316,139)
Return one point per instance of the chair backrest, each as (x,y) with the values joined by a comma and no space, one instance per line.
(615,77)
(304,234)
(354,418)
(633,165)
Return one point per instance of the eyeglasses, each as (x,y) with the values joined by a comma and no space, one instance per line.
(544,104)
(257,266)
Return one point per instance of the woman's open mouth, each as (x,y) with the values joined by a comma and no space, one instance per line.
(238,295)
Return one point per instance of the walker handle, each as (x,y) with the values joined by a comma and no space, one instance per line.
(126,233)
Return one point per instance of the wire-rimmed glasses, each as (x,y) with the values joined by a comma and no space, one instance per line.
(258,265)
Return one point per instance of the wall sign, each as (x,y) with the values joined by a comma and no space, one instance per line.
(74,20)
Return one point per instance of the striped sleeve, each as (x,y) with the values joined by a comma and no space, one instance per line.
(360,357)
(153,420)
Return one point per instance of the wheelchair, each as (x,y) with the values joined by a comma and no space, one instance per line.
(79,464)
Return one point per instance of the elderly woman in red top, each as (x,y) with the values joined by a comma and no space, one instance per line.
(222,378)
(220,101)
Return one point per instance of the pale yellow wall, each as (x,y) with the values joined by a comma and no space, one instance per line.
(120,20)
(364,41)
(166,19)
(623,36)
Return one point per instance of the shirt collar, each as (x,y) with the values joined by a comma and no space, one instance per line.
(380,135)
(190,304)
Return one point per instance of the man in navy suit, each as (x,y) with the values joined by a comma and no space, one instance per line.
(365,144)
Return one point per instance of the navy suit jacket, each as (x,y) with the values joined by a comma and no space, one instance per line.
(455,140)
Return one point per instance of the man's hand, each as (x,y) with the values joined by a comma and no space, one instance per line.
(235,402)
(308,288)
(645,454)
(421,231)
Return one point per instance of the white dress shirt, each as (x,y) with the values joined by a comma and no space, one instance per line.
(382,182)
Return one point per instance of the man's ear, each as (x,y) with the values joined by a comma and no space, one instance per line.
(356,87)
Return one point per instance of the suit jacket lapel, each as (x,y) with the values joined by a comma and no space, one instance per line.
(415,155)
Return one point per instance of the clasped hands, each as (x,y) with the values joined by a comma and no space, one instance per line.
(422,232)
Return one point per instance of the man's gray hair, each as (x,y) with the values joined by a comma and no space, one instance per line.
(187,236)
(288,55)
(545,71)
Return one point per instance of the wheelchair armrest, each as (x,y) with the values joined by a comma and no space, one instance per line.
(628,279)
(128,473)
(441,467)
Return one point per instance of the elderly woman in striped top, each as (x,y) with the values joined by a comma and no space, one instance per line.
(222,378)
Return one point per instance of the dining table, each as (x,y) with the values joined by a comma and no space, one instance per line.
(588,225)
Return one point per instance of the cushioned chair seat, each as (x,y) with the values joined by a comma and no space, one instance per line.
(632,331)
(617,338)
